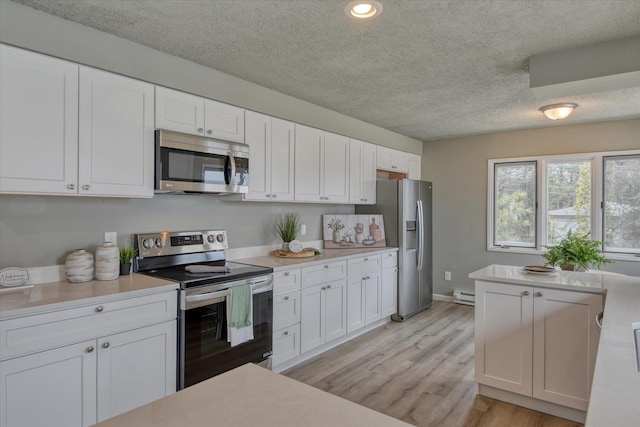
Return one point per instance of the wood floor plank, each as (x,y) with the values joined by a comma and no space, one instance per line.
(420,371)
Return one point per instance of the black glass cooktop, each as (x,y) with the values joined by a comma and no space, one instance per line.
(234,271)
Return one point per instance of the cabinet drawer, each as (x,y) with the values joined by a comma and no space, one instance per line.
(286,309)
(389,260)
(285,281)
(359,267)
(48,330)
(324,273)
(286,344)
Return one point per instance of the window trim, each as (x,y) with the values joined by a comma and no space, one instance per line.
(597,199)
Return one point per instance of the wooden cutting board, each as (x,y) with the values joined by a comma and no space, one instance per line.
(288,254)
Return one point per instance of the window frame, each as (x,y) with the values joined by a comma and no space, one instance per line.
(597,200)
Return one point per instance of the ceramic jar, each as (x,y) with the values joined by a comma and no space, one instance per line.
(107,261)
(79,266)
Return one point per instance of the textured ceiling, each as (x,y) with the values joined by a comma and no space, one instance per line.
(425,69)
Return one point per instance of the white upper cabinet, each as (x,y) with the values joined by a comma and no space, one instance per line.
(321,166)
(392,160)
(116,141)
(73,130)
(38,123)
(271,148)
(183,112)
(362,172)
(414,171)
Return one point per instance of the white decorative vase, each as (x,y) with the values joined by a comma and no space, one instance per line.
(107,261)
(79,266)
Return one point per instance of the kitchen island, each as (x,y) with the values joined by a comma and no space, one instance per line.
(252,396)
(615,384)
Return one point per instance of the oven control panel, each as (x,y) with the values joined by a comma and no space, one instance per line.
(176,243)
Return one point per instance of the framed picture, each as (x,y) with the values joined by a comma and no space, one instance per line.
(353,231)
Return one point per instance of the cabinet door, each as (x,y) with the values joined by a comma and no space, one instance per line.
(389,291)
(286,309)
(335,168)
(312,325)
(38,123)
(355,171)
(414,167)
(368,175)
(135,368)
(223,121)
(384,158)
(565,343)
(504,336)
(51,388)
(282,160)
(355,304)
(400,161)
(335,310)
(258,138)
(372,294)
(286,344)
(116,141)
(284,281)
(179,111)
(309,150)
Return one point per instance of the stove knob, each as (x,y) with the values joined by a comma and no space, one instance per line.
(147,243)
(159,243)
(211,238)
(220,238)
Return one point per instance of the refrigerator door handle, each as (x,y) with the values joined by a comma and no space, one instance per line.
(420,253)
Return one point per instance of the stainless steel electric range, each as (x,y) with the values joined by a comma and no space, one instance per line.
(196,259)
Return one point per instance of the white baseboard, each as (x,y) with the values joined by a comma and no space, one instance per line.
(440,297)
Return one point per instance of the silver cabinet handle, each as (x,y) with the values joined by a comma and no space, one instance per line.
(268,196)
(367,277)
(538,294)
(326,266)
(323,288)
(286,273)
(328,286)
(286,298)
(71,187)
(200,130)
(86,187)
(105,345)
(366,259)
(89,349)
(99,309)
(209,131)
(285,333)
(275,196)
(525,293)
(599,317)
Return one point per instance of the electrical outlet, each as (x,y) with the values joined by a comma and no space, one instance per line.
(111,237)
(303,229)
(447,275)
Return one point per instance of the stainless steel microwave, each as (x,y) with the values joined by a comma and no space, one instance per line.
(190,163)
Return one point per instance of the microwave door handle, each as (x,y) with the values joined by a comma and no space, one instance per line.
(231,177)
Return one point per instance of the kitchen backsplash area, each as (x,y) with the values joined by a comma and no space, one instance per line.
(40,230)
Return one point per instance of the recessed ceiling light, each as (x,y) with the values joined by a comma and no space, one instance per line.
(363,9)
(558,111)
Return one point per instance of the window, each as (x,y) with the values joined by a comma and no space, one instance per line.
(534,202)
(515,204)
(622,203)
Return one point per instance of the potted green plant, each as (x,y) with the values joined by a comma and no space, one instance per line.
(126,256)
(287,228)
(576,252)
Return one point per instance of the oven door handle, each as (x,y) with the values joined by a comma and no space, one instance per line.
(219,296)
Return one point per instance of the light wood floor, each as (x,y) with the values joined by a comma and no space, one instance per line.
(420,371)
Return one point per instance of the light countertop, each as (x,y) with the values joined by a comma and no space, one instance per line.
(615,390)
(327,255)
(61,295)
(252,396)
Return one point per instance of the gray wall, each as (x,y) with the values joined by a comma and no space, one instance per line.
(39,231)
(31,29)
(458,169)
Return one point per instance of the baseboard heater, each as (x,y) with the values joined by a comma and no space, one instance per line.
(464,297)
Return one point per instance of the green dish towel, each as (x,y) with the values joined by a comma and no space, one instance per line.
(240,306)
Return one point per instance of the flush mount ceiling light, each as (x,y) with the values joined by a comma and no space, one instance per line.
(363,9)
(558,111)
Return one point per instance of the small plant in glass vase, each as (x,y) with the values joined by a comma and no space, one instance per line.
(576,253)
(287,228)
(126,256)
(336,225)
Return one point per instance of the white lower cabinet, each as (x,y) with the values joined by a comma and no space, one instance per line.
(324,314)
(286,344)
(286,315)
(537,342)
(364,292)
(89,380)
(389,284)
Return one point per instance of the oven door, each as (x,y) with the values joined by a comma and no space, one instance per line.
(203,348)
(190,165)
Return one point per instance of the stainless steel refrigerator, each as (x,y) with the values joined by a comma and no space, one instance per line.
(406,207)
